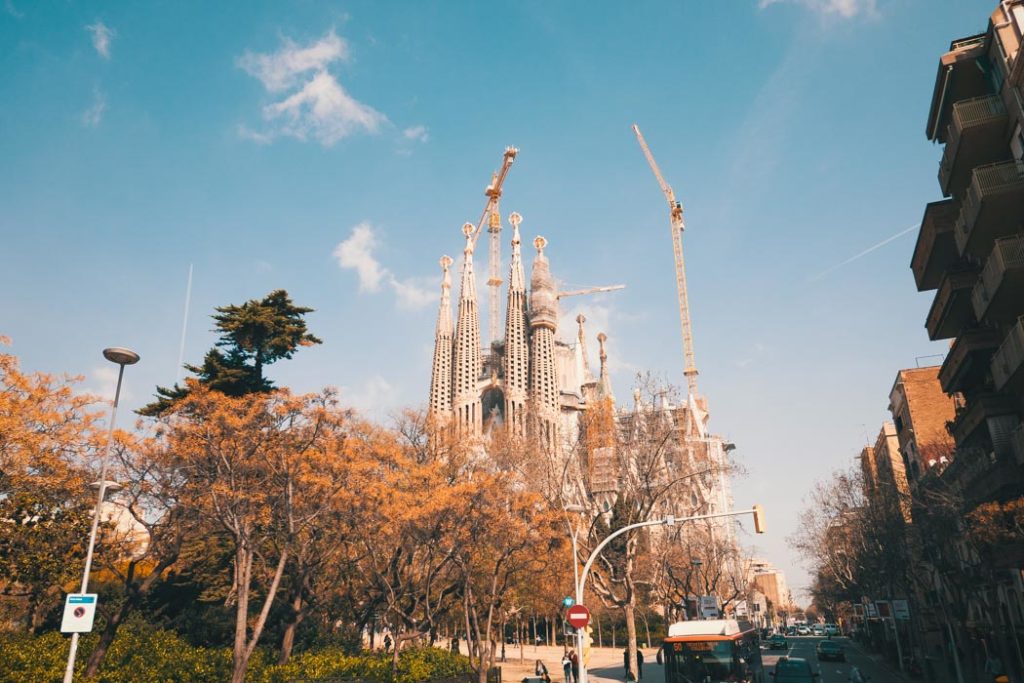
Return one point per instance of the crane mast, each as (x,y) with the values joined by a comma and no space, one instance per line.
(492,216)
(678,226)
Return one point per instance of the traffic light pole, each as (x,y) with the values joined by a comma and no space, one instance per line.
(757,511)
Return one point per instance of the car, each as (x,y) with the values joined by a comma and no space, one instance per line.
(818,630)
(831,650)
(802,630)
(791,631)
(778,642)
(831,630)
(793,670)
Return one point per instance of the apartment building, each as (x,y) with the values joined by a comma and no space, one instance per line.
(970,252)
(921,408)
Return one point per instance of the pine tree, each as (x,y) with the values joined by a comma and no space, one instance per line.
(252,336)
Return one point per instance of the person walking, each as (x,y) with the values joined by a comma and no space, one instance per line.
(575,659)
(542,671)
(567,667)
(639,665)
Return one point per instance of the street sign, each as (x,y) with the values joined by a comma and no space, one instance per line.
(901,610)
(79,611)
(709,607)
(568,601)
(578,616)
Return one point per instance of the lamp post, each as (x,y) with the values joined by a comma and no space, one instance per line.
(122,357)
(670,520)
(575,507)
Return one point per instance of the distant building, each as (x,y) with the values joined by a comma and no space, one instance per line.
(885,479)
(769,581)
(921,410)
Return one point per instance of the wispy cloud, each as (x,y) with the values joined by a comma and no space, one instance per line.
(357,253)
(417,133)
(867,251)
(845,9)
(92,116)
(375,396)
(12,10)
(318,107)
(102,35)
(103,383)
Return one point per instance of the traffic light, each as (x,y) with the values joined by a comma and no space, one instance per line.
(759,523)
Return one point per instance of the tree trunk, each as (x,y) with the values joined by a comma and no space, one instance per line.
(109,631)
(244,645)
(600,639)
(288,639)
(629,613)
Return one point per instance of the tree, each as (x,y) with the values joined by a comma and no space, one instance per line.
(253,335)
(267,468)
(47,436)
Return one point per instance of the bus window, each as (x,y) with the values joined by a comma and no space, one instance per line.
(698,660)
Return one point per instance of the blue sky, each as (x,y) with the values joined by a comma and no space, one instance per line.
(252,140)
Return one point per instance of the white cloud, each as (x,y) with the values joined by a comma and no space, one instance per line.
(101,37)
(318,107)
(92,116)
(846,9)
(417,133)
(375,396)
(103,383)
(357,253)
(12,10)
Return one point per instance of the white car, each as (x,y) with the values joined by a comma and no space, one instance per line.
(818,630)
(802,630)
(831,630)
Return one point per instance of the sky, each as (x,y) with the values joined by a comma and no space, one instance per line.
(334,149)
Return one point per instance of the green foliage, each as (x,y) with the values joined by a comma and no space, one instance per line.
(255,334)
(143,655)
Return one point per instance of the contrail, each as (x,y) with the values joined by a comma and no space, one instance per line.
(867,251)
(184,326)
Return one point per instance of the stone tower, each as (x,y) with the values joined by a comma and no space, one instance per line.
(466,402)
(517,347)
(441,375)
(543,323)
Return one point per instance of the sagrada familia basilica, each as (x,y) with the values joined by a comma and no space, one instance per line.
(529,380)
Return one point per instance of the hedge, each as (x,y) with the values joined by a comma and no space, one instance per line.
(140,655)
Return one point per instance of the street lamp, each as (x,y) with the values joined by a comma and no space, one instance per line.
(576,507)
(122,357)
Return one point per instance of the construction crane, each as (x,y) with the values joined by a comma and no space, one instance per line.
(590,290)
(492,215)
(678,225)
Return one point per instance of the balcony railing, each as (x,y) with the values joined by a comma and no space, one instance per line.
(935,250)
(968,355)
(1009,358)
(1017,444)
(979,409)
(987,183)
(951,309)
(968,116)
(1006,260)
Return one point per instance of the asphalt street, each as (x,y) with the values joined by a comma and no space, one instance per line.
(832,672)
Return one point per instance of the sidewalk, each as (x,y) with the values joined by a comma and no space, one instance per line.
(605,664)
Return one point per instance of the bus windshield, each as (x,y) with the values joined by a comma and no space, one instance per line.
(700,660)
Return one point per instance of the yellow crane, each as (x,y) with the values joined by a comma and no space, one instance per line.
(678,226)
(492,216)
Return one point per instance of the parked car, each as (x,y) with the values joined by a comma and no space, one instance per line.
(831,630)
(791,631)
(831,650)
(818,630)
(778,642)
(802,630)
(793,670)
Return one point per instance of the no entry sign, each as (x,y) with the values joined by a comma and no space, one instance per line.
(578,616)
(79,611)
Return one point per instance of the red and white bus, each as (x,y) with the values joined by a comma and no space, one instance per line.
(712,651)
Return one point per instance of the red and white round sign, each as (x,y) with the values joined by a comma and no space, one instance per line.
(578,616)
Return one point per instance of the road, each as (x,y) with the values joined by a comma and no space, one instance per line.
(833,672)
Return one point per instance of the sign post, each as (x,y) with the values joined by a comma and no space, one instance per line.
(79,612)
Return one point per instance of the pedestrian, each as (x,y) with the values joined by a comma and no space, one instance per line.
(387,643)
(575,659)
(542,671)
(639,665)
(567,667)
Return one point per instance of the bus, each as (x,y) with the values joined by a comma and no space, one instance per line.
(712,651)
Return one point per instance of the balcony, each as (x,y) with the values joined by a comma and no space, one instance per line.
(935,251)
(1009,31)
(993,206)
(1008,361)
(951,310)
(958,78)
(975,416)
(1017,444)
(968,359)
(998,295)
(976,136)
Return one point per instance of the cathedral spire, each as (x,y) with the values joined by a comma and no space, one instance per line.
(466,371)
(543,322)
(605,386)
(517,348)
(441,375)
